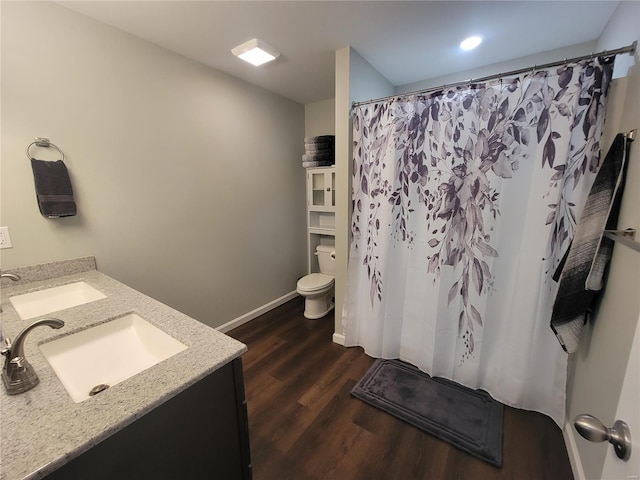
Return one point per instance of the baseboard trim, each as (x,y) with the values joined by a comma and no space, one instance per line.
(572,450)
(247,317)
(338,338)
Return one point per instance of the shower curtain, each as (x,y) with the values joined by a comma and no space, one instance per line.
(464,203)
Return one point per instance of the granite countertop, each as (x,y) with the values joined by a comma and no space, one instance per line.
(43,428)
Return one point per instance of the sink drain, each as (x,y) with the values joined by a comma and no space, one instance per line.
(97,389)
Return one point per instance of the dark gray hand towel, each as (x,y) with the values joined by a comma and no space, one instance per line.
(583,273)
(53,188)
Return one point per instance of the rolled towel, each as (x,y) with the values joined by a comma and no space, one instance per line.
(53,188)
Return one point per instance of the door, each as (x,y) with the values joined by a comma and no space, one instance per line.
(629,411)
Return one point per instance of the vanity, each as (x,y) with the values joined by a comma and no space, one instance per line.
(182,417)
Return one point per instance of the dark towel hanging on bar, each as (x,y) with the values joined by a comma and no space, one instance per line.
(583,274)
(53,188)
(53,185)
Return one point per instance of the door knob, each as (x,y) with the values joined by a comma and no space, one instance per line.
(595,431)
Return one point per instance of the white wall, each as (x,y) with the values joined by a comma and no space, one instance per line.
(596,371)
(356,80)
(188,181)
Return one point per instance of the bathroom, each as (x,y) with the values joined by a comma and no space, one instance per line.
(188,181)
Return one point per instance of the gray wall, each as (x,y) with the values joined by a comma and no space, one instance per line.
(188,181)
(319,118)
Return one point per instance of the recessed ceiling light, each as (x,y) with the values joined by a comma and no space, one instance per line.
(470,43)
(256,52)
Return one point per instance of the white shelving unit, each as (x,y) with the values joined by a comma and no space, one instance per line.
(321,211)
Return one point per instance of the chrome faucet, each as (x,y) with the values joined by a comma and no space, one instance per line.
(18,374)
(10,276)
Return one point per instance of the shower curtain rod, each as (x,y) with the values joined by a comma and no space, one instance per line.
(631,49)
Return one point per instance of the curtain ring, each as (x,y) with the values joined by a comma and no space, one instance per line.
(44,143)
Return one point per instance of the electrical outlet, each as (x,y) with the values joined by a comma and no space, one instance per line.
(5,238)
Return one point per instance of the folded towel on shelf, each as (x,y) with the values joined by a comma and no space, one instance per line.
(316,164)
(318,147)
(327,143)
(320,139)
(318,157)
(583,273)
(312,147)
(53,188)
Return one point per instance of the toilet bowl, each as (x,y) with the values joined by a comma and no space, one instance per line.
(317,288)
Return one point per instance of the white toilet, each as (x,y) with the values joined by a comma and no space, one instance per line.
(318,287)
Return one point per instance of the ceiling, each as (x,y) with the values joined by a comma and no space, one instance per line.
(406,41)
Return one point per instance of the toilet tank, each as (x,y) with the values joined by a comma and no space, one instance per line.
(327,259)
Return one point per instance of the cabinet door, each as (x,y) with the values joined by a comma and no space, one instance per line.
(200,433)
(321,189)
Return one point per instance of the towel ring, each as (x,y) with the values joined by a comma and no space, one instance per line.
(44,143)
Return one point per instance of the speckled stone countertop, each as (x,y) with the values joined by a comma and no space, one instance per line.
(43,428)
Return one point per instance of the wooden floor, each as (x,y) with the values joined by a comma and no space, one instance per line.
(304,424)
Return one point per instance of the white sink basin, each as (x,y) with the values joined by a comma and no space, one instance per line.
(108,353)
(41,302)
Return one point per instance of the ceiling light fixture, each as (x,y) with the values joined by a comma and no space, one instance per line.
(256,52)
(470,43)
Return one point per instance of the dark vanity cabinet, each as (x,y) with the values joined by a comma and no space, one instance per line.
(201,433)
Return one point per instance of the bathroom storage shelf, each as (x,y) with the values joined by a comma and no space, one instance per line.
(321,208)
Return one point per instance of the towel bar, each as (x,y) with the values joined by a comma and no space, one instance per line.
(625,237)
(44,143)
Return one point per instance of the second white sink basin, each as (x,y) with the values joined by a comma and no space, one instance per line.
(108,353)
(49,300)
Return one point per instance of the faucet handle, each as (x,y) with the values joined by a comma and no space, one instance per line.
(18,362)
(6,349)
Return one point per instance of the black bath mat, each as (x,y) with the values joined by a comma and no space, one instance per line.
(468,419)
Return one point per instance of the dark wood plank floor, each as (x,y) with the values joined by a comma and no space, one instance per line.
(304,424)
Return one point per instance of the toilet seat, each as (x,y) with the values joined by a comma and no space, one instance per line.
(315,282)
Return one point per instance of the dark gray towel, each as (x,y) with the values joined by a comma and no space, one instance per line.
(316,164)
(318,147)
(320,139)
(583,273)
(53,188)
(318,157)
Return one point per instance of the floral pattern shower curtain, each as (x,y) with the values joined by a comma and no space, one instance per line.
(464,203)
